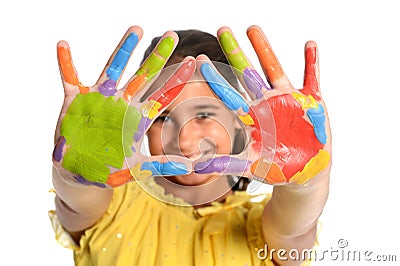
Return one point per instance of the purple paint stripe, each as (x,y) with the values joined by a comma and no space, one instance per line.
(83,181)
(254,82)
(143,125)
(57,153)
(224,164)
(108,88)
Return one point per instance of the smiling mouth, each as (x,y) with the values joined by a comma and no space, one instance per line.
(196,155)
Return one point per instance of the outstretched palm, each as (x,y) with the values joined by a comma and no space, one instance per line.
(288,128)
(99,126)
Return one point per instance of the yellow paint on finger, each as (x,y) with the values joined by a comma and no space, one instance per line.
(150,109)
(140,174)
(247,120)
(305,101)
(318,163)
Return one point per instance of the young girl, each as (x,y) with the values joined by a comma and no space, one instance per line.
(116,206)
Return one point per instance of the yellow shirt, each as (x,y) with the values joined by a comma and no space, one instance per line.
(140,229)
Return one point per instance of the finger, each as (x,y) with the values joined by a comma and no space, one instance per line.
(170,168)
(247,75)
(111,75)
(175,83)
(269,62)
(141,167)
(146,169)
(152,65)
(232,99)
(149,166)
(311,71)
(222,164)
(162,98)
(228,95)
(67,70)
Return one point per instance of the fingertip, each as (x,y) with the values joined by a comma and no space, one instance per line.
(222,30)
(171,34)
(253,28)
(201,59)
(310,44)
(63,44)
(137,30)
(311,52)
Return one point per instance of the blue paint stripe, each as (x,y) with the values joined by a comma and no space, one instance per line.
(121,58)
(168,168)
(229,96)
(174,168)
(317,118)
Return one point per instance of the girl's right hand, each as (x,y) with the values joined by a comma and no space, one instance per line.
(100,128)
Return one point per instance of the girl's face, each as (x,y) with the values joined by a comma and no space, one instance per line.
(195,124)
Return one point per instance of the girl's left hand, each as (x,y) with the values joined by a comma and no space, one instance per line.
(288,129)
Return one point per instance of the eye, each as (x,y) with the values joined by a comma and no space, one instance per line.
(163,119)
(204,115)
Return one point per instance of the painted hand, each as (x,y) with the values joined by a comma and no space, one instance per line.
(100,128)
(288,129)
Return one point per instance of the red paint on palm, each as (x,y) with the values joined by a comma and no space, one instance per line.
(296,142)
(255,133)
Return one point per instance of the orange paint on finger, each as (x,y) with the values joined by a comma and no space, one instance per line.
(67,69)
(83,89)
(274,173)
(266,56)
(119,178)
(134,86)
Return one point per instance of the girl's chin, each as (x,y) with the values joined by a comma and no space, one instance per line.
(192,179)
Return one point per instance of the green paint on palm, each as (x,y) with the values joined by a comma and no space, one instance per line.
(97,136)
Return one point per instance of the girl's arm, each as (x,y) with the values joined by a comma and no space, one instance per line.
(290,217)
(78,207)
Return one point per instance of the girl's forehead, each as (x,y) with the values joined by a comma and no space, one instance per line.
(196,93)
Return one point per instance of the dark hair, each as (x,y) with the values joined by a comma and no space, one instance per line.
(193,43)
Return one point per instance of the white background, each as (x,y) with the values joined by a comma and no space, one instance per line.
(359,57)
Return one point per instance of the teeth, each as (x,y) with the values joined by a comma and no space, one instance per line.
(195,156)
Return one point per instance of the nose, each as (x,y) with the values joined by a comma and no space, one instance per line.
(189,138)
